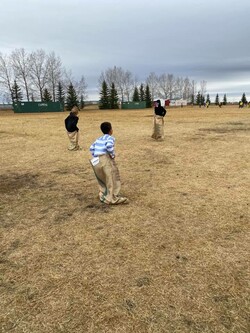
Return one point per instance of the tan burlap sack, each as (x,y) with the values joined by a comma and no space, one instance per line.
(108,177)
(158,128)
(73,139)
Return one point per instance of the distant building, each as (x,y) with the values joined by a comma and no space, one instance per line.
(172,102)
(178,102)
(164,102)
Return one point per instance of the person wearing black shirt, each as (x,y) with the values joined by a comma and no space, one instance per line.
(72,129)
(159,114)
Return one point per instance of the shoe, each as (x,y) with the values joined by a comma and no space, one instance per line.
(122,200)
(77,148)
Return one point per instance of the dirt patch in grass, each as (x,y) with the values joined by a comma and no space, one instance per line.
(14,182)
(225,130)
(228,127)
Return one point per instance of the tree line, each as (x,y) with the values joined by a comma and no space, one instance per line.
(202,100)
(38,76)
(109,98)
(165,86)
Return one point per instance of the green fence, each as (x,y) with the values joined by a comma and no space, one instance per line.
(133,105)
(37,107)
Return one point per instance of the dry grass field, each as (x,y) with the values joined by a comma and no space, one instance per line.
(175,259)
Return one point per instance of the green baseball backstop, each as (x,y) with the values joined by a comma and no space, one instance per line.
(37,107)
(134,105)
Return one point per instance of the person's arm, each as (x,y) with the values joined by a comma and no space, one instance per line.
(110,147)
(76,121)
(92,149)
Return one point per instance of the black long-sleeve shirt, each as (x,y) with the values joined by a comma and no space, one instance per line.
(160,111)
(71,122)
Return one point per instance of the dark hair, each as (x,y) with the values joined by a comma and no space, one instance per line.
(106,127)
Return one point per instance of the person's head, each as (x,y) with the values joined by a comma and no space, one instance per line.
(75,110)
(158,102)
(106,128)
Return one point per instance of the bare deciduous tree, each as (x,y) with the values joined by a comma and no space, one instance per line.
(127,81)
(67,78)
(152,82)
(21,65)
(81,88)
(6,76)
(163,88)
(39,70)
(171,85)
(187,89)
(179,84)
(193,88)
(54,73)
(166,86)
(203,87)
(123,81)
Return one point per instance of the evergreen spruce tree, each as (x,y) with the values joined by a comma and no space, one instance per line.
(71,99)
(16,93)
(202,99)
(60,94)
(148,97)
(47,96)
(208,99)
(198,99)
(244,99)
(225,100)
(217,100)
(104,97)
(142,93)
(136,97)
(113,97)
(192,99)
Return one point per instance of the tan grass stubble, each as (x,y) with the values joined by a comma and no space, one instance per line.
(176,259)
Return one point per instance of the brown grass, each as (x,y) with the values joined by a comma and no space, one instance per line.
(176,259)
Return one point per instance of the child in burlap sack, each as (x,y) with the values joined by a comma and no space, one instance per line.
(105,167)
(72,129)
(158,125)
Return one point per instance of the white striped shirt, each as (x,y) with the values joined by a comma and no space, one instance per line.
(103,145)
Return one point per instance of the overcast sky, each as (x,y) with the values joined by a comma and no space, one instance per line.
(202,39)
